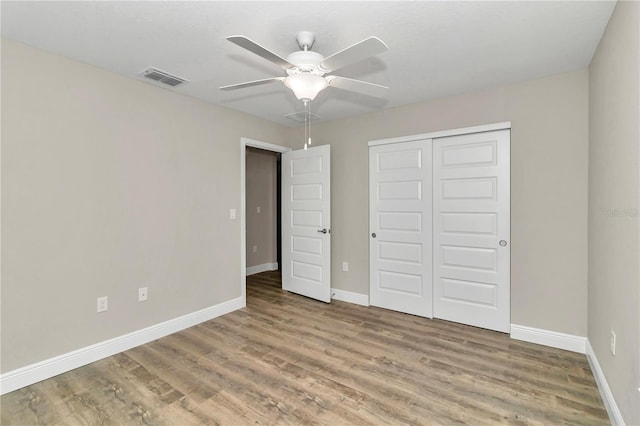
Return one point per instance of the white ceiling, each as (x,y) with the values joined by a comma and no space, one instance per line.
(436,48)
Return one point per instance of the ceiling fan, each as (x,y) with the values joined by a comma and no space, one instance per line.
(306,69)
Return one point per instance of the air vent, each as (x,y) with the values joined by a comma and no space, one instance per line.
(299,116)
(162,77)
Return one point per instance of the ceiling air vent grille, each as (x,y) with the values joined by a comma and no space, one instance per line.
(163,77)
(299,116)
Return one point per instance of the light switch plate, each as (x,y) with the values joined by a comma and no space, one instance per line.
(102,304)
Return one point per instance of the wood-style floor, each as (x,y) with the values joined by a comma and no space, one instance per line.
(289,360)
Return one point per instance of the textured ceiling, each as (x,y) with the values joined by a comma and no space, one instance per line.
(436,49)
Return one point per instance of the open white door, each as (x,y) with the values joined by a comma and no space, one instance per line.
(471,220)
(306,222)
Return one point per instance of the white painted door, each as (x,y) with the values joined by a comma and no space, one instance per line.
(306,222)
(471,229)
(400,227)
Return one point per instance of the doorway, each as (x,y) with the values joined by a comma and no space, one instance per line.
(275,150)
(262,198)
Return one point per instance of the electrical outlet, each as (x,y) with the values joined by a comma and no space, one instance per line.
(258,209)
(232,214)
(345,266)
(142,294)
(102,304)
(613,343)
(255,249)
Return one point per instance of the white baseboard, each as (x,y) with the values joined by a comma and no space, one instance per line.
(554,339)
(251,270)
(615,416)
(575,344)
(349,296)
(34,373)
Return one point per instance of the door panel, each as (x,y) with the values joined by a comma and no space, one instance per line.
(400,218)
(469,223)
(306,250)
(471,211)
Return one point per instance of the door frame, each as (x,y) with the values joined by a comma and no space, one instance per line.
(244,143)
(443,133)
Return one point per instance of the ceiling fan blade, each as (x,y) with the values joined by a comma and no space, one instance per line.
(359,86)
(254,47)
(368,47)
(251,83)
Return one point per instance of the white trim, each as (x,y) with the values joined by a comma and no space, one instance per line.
(251,270)
(244,143)
(443,133)
(554,339)
(615,416)
(576,344)
(265,145)
(350,297)
(34,373)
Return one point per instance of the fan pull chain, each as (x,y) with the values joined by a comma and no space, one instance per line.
(306,103)
(309,114)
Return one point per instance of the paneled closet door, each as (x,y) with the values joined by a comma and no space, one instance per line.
(471,229)
(400,227)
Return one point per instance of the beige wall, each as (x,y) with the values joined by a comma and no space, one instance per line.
(261,180)
(110,184)
(614,206)
(548,189)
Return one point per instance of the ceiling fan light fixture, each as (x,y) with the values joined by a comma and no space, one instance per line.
(306,68)
(305,86)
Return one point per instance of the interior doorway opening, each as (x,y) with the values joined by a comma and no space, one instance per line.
(260,210)
(262,200)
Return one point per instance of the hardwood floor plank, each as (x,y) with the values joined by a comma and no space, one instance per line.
(290,360)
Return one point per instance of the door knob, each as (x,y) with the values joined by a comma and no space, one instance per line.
(323,230)
(502,243)
(373,234)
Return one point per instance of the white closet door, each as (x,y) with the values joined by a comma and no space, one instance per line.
(306,222)
(400,227)
(471,229)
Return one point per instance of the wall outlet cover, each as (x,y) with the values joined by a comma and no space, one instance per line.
(142,294)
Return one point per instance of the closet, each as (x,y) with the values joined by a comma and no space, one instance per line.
(439,219)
